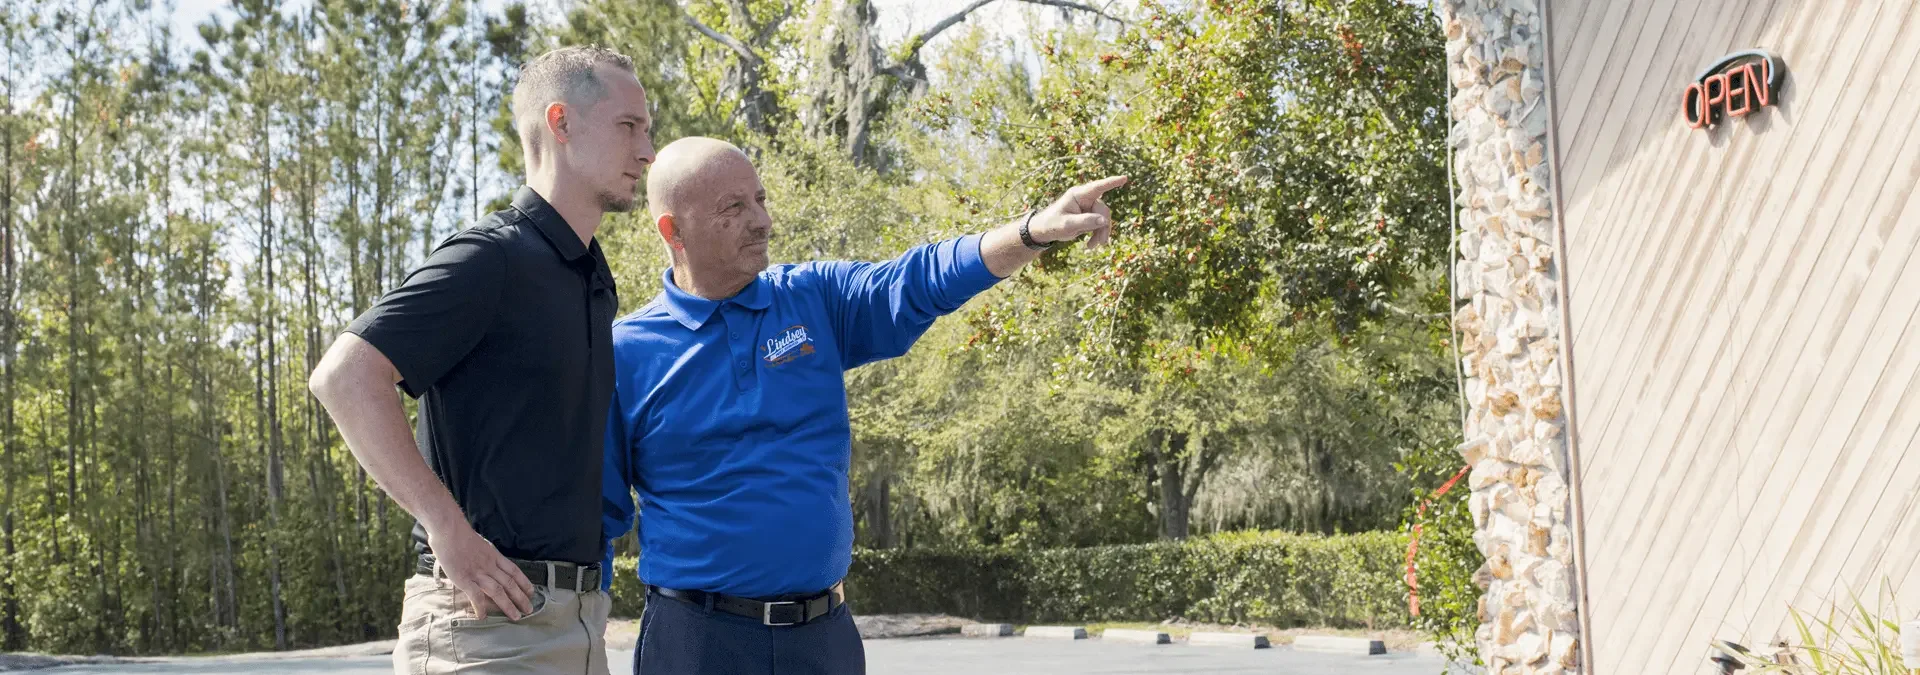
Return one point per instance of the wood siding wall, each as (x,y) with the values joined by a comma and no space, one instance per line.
(1743,307)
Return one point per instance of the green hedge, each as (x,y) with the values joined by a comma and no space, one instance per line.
(1269,578)
(628,597)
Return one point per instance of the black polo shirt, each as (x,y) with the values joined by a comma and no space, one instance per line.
(504,334)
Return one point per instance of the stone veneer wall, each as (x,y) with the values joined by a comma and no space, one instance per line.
(1511,337)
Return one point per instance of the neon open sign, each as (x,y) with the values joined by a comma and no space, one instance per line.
(1738,84)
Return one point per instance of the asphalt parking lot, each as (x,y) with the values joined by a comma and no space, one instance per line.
(913,656)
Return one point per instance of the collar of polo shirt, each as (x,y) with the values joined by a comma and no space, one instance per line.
(549,223)
(693,311)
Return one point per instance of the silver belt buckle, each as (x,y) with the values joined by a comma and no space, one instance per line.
(766,614)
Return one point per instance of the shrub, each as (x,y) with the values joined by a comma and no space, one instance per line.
(1847,641)
(1266,578)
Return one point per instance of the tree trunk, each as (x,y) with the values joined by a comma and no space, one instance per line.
(166,595)
(863,90)
(745,77)
(276,481)
(847,88)
(169,611)
(97,531)
(262,416)
(214,596)
(1203,458)
(68,241)
(1174,504)
(150,556)
(143,535)
(382,186)
(51,493)
(320,453)
(880,511)
(221,573)
(382,179)
(12,633)
(852,87)
(355,236)
(231,619)
(475,106)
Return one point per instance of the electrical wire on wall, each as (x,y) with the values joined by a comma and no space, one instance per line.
(1453,251)
(1412,577)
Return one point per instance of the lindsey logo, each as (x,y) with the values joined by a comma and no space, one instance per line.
(791,344)
(1738,84)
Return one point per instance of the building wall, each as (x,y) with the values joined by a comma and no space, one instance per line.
(1742,301)
(1507,281)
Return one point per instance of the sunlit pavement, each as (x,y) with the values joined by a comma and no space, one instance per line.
(921,656)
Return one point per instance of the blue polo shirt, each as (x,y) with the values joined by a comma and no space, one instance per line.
(729,417)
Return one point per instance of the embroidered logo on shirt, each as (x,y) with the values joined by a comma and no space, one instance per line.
(791,344)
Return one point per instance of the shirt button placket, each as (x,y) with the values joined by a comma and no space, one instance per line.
(741,350)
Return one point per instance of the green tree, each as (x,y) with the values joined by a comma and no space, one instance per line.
(251,54)
(1260,179)
(16,131)
(185,223)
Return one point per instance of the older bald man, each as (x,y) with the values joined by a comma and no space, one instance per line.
(730,412)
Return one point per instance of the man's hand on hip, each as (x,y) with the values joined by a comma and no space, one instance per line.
(476,568)
(355,383)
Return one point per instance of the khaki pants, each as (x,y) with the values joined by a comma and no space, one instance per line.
(566,633)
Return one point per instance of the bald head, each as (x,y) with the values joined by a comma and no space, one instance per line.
(686,171)
(707,201)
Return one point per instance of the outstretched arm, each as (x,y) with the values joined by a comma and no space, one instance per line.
(880,309)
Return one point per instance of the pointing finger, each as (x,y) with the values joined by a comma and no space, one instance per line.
(1086,192)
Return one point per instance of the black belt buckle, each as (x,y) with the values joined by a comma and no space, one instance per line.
(799,608)
(553,577)
(533,568)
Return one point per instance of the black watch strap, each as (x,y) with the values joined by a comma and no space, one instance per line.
(1026,237)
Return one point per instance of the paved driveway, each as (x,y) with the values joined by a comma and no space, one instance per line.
(1020,656)
(920,656)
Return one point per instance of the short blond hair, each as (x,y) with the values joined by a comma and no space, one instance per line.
(569,75)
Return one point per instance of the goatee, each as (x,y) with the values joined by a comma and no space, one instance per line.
(616,203)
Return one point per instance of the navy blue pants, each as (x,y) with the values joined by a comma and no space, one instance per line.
(682,638)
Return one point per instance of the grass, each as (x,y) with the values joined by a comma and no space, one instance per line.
(1847,641)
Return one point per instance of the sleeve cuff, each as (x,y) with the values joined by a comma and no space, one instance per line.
(974,276)
(373,337)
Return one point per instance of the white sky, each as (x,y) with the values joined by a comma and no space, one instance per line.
(896,17)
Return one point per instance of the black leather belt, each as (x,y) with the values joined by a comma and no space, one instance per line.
(778,613)
(554,575)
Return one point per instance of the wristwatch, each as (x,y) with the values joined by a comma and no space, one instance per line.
(1026,237)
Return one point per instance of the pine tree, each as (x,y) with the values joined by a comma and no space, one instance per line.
(12,632)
